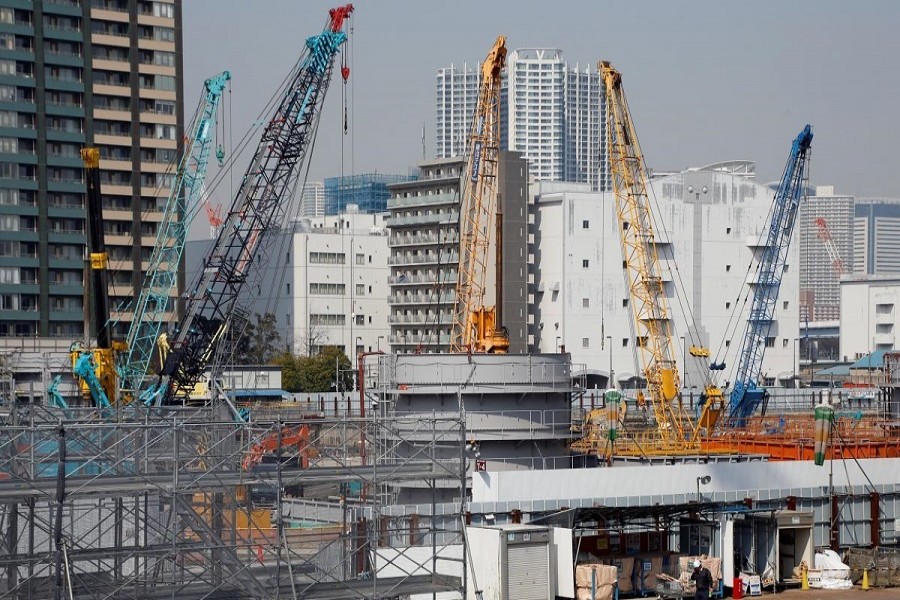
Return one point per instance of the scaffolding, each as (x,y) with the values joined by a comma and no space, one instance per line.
(143,503)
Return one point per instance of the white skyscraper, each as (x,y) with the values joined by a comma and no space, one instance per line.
(457,94)
(553,115)
(312,200)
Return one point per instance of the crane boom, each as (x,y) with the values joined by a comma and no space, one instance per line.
(746,395)
(641,262)
(824,234)
(162,274)
(258,207)
(475,326)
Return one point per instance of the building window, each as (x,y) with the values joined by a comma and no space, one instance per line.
(785,304)
(322,289)
(784,343)
(360,289)
(727,305)
(728,230)
(625,303)
(727,268)
(360,319)
(585,263)
(585,342)
(585,303)
(585,224)
(624,342)
(360,259)
(770,342)
(326,258)
(327,320)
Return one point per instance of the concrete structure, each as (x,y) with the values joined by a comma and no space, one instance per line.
(876,236)
(870,314)
(326,284)
(73,74)
(424,243)
(367,191)
(552,113)
(819,278)
(516,408)
(709,225)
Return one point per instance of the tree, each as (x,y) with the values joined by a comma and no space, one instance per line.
(265,341)
(314,374)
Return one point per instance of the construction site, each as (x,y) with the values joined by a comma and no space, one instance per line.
(467,472)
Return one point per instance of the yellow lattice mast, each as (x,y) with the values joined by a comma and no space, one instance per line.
(641,262)
(475,326)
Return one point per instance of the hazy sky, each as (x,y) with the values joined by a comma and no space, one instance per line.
(706,80)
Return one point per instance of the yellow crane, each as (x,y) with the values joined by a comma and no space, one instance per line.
(676,431)
(476,327)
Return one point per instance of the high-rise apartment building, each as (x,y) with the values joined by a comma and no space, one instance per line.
(76,73)
(552,114)
(820,275)
(424,255)
(312,200)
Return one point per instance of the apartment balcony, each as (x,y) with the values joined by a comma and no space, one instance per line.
(884,317)
(446,297)
(427,200)
(420,239)
(426,259)
(421,279)
(885,339)
(422,339)
(435,219)
(419,319)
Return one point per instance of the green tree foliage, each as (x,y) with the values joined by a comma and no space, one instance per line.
(257,343)
(312,374)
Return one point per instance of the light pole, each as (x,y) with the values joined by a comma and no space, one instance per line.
(612,375)
(705,479)
(378,343)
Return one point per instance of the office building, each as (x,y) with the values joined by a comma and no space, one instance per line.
(424,246)
(870,314)
(326,283)
(368,192)
(710,223)
(876,236)
(105,73)
(551,113)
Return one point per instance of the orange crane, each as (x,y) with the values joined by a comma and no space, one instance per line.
(824,234)
(476,327)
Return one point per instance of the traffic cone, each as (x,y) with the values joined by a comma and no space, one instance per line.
(865,581)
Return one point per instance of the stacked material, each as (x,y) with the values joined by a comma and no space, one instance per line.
(647,571)
(602,578)
(625,567)
(714,565)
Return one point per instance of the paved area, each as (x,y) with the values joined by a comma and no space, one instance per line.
(854,594)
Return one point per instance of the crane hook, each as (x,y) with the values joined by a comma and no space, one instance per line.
(220,155)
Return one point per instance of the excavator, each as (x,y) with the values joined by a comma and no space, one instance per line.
(476,328)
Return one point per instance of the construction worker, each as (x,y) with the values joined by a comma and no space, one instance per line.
(703,578)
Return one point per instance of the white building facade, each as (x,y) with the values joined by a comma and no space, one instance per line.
(710,223)
(456,92)
(339,265)
(312,200)
(870,314)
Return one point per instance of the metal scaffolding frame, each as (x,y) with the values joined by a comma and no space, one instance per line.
(136,503)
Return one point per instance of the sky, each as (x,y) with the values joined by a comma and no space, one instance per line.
(706,80)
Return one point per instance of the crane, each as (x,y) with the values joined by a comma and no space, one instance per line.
(746,395)
(824,234)
(676,432)
(95,368)
(259,205)
(162,275)
(475,326)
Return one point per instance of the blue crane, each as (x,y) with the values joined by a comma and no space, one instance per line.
(162,275)
(746,395)
(259,206)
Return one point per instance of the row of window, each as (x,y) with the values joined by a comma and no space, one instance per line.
(29,329)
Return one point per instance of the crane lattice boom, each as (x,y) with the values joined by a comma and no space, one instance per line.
(824,234)
(641,262)
(475,327)
(258,207)
(162,275)
(746,395)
